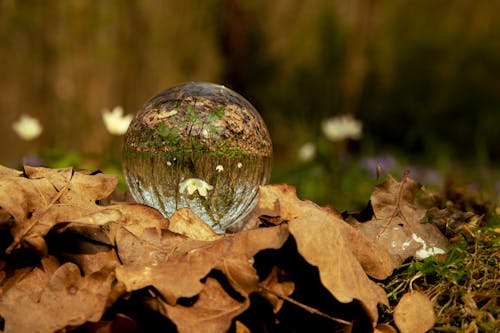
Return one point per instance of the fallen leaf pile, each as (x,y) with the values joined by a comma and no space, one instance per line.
(69,262)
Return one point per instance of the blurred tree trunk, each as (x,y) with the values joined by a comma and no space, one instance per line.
(356,66)
(133,38)
(246,64)
(234,31)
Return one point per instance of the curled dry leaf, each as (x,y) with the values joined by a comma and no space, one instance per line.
(63,299)
(385,328)
(240,328)
(47,196)
(174,264)
(414,313)
(183,221)
(31,280)
(103,224)
(343,255)
(213,311)
(90,256)
(280,284)
(397,222)
(131,246)
(8,172)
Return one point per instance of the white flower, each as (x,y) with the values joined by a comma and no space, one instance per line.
(169,163)
(219,168)
(195,184)
(205,133)
(307,152)
(116,123)
(426,251)
(240,165)
(341,128)
(28,128)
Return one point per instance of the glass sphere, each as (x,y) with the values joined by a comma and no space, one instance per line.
(198,145)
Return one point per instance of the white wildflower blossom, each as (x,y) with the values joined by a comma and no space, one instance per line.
(307,152)
(219,168)
(240,165)
(27,127)
(116,123)
(169,163)
(205,133)
(426,251)
(342,127)
(194,184)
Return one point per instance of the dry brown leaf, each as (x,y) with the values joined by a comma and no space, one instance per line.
(320,242)
(32,280)
(385,328)
(8,172)
(63,299)
(280,284)
(343,256)
(183,221)
(281,200)
(414,313)
(120,323)
(47,196)
(451,220)
(175,265)
(240,328)
(103,224)
(213,311)
(398,222)
(91,257)
(182,258)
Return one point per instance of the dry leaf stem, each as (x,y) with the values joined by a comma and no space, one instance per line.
(303,306)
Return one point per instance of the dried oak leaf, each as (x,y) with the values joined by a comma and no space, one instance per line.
(241,328)
(31,279)
(414,313)
(120,323)
(397,222)
(43,197)
(185,222)
(384,328)
(451,220)
(49,300)
(175,264)
(343,255)
(90,256)
(213,310)
(281,286)
(5,173)
(103,224)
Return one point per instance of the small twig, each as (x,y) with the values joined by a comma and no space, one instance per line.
(303,306)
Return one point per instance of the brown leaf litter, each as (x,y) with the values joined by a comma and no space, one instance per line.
(71,262)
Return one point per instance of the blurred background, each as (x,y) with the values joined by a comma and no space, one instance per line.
(420,79)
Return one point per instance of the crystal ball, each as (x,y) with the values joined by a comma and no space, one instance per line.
(198,145)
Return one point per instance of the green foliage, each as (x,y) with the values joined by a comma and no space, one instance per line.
(170,135)
(453,268)
(463,286)
(53,158)
(344,185)
(216,114)
(192,117)
(494,220)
